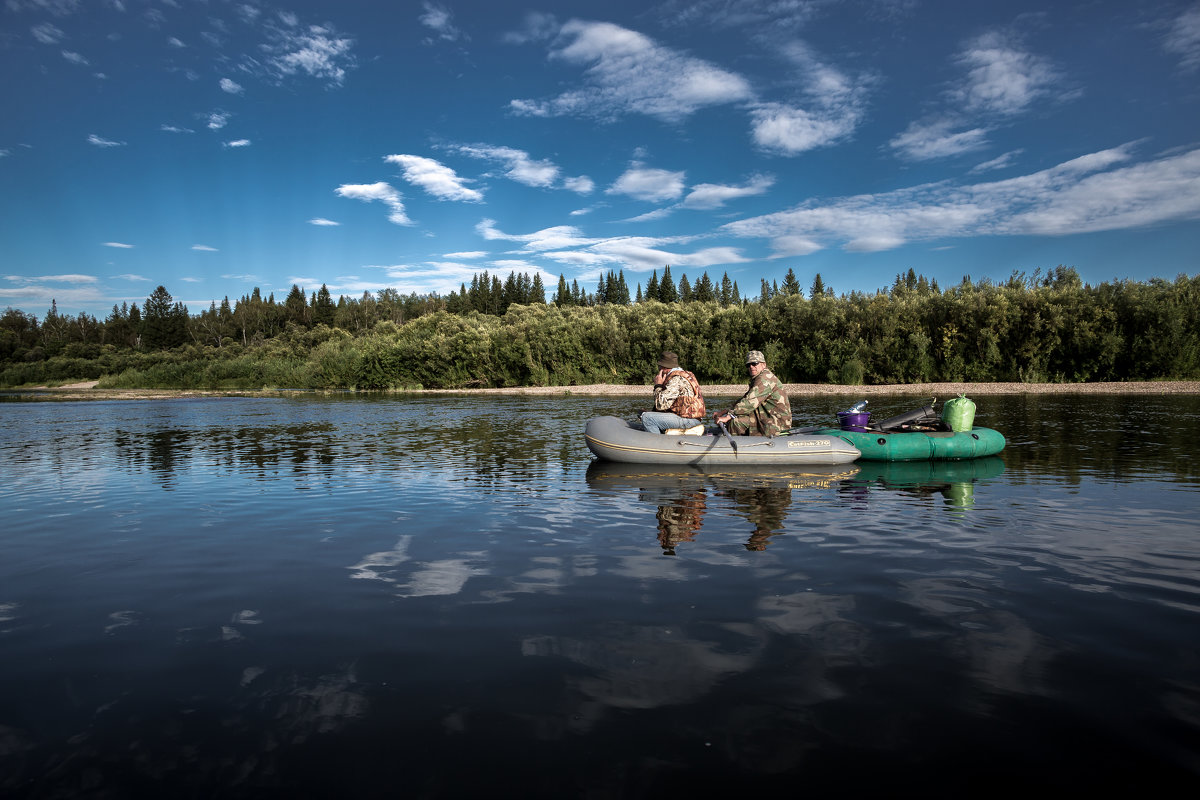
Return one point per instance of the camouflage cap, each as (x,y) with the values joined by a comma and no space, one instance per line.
(755,357)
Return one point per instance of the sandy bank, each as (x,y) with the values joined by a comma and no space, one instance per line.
(88,391)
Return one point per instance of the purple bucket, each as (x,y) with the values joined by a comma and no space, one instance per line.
(853,421)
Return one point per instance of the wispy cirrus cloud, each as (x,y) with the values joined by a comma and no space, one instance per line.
(235,143)
(64,278)
(828,109)
(1001,80)
(523,168)
(378,192)
(567,245)
(204,248)
(925,140)
(119,245)
(322,222)
(435,178)
(715,195)
(626,72)
(47,33)
(1183,39)
(1097,192)
(231,86)
(100,141)
(439,20)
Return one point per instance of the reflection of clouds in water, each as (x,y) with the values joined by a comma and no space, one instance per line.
(1003,651)
(429,578)
(804,611)
(370,568)
(246,617)
(323,706)
(249,674)
(121,619)
(445,577)
(8,612)
(642,667)
(548,575)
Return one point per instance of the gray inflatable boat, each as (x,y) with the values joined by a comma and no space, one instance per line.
(615,439)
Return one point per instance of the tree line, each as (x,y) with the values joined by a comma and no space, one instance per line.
(1039,328)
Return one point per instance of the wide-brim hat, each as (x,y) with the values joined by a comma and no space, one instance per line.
(668,360)
(755,357)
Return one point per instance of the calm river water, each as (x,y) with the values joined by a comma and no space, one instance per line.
(442,597)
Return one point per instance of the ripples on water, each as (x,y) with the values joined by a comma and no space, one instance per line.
(439,596)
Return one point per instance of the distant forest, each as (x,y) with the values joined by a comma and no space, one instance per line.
(1047,327)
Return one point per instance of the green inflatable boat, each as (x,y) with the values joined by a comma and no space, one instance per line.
(920,445)
(920,435)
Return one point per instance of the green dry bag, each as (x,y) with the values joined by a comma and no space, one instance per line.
(959,414)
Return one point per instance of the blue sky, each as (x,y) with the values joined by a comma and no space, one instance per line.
(213,146)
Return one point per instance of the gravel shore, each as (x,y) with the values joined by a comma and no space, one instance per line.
(88,391)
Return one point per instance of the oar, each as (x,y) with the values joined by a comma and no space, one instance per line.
(725,431)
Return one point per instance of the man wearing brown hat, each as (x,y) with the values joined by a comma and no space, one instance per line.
(678,401)
(764,409)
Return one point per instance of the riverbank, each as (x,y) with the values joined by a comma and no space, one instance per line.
(88,390)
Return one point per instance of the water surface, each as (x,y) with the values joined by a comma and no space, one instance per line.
(446,597)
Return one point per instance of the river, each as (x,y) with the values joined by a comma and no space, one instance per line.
(446,597)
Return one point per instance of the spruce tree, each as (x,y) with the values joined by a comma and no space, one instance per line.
(666,287)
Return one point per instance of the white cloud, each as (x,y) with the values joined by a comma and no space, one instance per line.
(999,162)
(712,195)
(648,184)
(75,58)
(467,254)
(175,42)
(1183,39)
(316,51)
(567,245)
(232,87)
(381,192)
(438,19)
(67,278)
(831,108)
(47,33)
(927,140)
(205,248)
(628,73)
(129,276)
(237,143)
(435,178)
(217,120)
(559,236)
(520,167)
(1002,78)
(59,8)
(1095,192)
(321,221)
(580,185)
(119,245)
(175,129)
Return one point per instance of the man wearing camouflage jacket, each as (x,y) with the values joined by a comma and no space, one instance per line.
(764,409)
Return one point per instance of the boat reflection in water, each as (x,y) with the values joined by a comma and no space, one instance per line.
(955,481)
(683,494)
